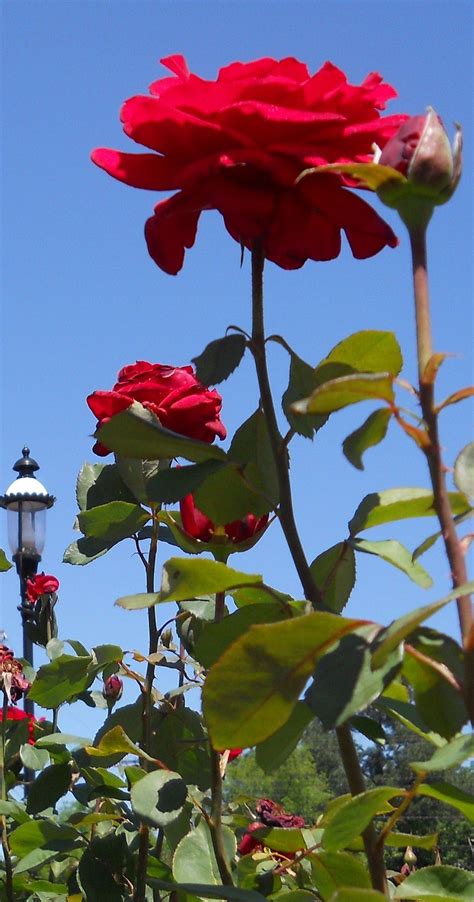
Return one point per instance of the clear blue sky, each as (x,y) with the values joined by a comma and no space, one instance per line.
(80,296)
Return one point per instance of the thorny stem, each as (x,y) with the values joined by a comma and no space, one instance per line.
(3,820)
(352,768)
(215,820)
(436,468)
(144,832)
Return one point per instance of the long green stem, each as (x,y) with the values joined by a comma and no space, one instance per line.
(436,467)
(3,820)
(215,820)
(144,832)
(353,770)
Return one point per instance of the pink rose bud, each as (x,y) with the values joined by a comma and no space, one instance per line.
(112,688)
(421,151)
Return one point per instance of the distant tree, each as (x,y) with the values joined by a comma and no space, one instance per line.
(298,784)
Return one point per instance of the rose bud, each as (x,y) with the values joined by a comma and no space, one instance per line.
(112,688)
(421,152)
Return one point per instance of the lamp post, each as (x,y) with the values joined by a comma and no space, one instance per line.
(26,501)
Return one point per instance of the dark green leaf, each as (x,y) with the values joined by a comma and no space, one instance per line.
(61,680)
(184,579)
(353,816)
(396,554)
(15,810)
(100,865)
(108,654)
(440,703)
(273,663)
(51,784)
(346,390)
(206,891)
(399,504)
(113,522)
(369,728)
(275,750)
(38,834)
(352,894)
(231,493)
(302,383)
(98,484)
(335,573)
(168,486)
(135,474)
(86,550)
(159,797)
(220,358)
(437,883)
(251,449)
(344,681)
(137,432)
(371,433)
(4,562)
(464,470)
(399,629)
(449,795)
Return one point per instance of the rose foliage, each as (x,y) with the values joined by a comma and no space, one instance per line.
(147,819)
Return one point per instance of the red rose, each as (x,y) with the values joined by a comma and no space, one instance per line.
(238,144)
(174,394)
(17,714)
(41,584)
(271,815)
(250,843)
(197,525)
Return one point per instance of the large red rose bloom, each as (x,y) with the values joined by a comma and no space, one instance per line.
(173,393)
(238,144)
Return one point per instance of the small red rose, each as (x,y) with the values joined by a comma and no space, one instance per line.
(112,688)
(41,584)
(172,393)
(16,714)
(198,526)
(238,145)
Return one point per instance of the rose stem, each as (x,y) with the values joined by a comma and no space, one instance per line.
(350,760)
(436,468)
(215,820)
(3,794)
(144,832)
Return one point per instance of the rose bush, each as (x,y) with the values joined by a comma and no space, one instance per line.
(198,526)
(41,584)
(174,394)
(238,144)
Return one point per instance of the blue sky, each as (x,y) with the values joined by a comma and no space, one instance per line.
(81,297)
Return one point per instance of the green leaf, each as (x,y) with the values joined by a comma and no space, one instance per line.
(371,433)
(35,859)
(206,891)
(439,702)
(51,784)
(353,816)
(369,351)
(273,663)
(449,795)
(101,862)
(344,680)
(61,680)
(399,629)
(401,840)
(281,839)
(226,496)
(38,834)
(159,797)
(137,432)
(396,554)
(251,449)
(108,654)
(195,860)
(451,755)
(115,741)
(168,486)
(399,504)
(216,637)
(275,750)
(346,390)
(86,550)
(15,810)
(139,601)
(98,484)
(430,541)
(184,579)
(33,757)
(61,739)
(301,383)
(220,358)
(334,572)
(113,522)
(351,894)
(437,883)
(4,562)
(369,727)
(331,870)
(464,470)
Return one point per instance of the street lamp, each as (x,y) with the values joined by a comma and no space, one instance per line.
(26,501)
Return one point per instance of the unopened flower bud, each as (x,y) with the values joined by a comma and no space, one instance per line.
(421,151)
(410,857)
(112,688)
(166,638)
